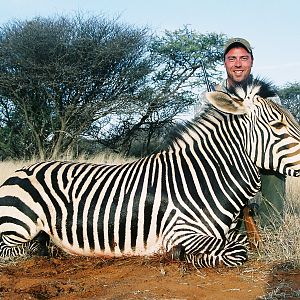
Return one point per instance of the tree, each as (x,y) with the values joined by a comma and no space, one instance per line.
(67,82)
(58,76)
(15,138)
(176,81)
(290,98)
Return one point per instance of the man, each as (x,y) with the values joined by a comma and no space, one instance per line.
(238,62)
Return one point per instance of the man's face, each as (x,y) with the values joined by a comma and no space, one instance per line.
(238,63)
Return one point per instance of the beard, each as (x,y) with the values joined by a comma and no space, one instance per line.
(243,83)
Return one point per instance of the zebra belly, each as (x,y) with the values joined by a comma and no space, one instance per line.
(153,246)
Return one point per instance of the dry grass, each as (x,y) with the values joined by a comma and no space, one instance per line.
(283,244)
(8,167)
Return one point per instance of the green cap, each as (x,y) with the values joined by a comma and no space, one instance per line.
(244,43)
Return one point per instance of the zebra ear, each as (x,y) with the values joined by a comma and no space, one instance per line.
(227,103)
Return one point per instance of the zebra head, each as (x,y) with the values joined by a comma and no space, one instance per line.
(271,133)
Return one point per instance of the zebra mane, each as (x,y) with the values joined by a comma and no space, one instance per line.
(257,86)
(178,131)
(261,87)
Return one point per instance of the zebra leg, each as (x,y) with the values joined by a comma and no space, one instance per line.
(11,246)
(42,239)
(177,252)
(8,251)
(231,253)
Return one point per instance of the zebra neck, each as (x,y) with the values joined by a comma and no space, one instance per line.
(212,152)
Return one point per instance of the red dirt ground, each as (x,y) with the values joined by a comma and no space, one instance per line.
(142,278)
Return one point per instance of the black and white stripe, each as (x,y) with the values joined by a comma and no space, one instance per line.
(186,197)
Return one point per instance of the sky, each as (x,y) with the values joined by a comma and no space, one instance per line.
(271,26)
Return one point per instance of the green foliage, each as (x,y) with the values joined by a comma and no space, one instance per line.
(290,98)
(182,52)
(62,74)
(175,84)
(76,83)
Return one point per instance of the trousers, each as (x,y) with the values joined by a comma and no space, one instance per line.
(271,202)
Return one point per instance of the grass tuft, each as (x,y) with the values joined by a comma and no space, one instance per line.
(282,244)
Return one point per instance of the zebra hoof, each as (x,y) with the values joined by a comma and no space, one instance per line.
(42,239)
(177,253)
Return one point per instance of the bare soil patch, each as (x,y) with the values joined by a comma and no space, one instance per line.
(143,278)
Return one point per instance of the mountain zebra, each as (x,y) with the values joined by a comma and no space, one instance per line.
(185,200)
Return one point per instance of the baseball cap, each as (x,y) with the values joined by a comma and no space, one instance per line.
(241,41)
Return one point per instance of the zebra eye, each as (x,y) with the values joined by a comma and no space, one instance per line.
(277,125)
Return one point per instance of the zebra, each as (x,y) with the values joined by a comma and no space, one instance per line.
(185,199)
